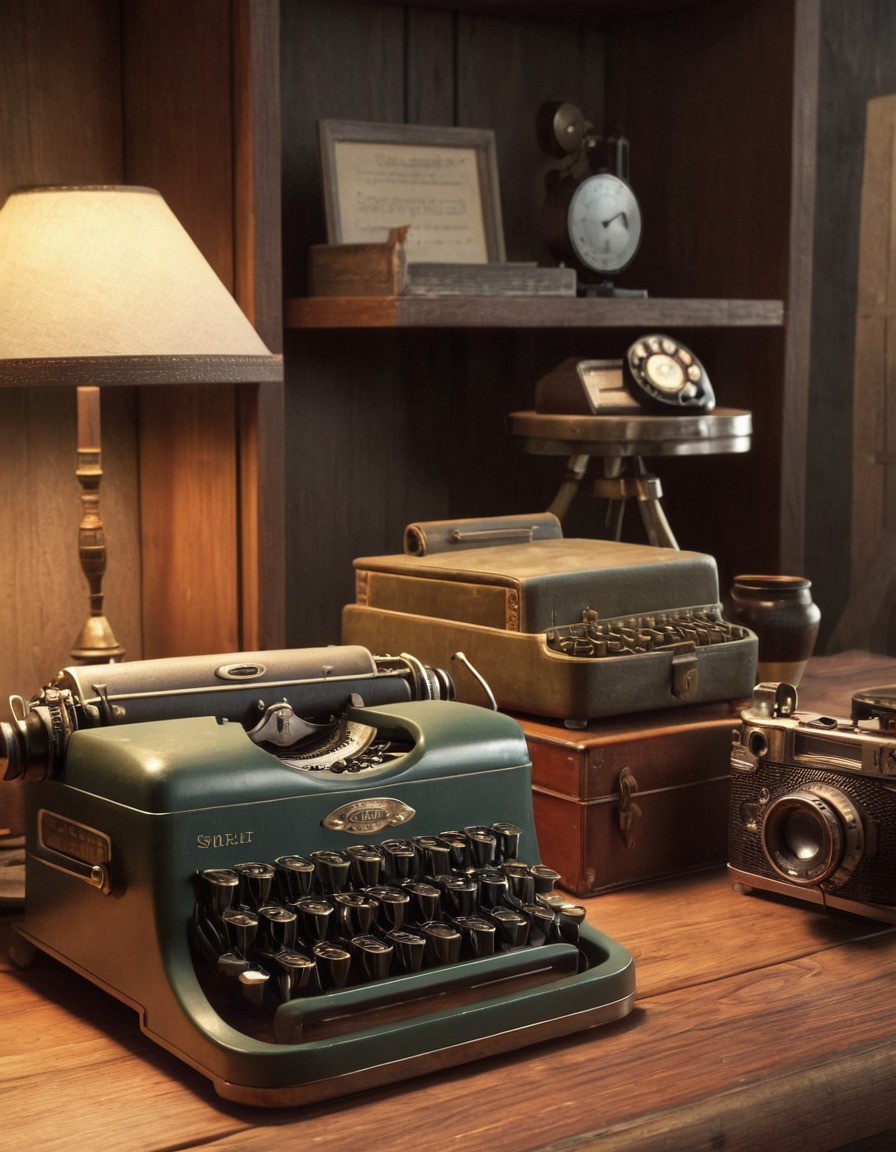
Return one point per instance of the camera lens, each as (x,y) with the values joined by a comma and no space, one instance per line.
(813,836)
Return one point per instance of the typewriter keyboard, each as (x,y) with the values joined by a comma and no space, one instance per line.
(625,636)
(306,925)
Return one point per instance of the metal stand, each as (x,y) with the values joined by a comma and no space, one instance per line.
(621,442)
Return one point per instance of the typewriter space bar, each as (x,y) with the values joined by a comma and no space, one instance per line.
(422,993)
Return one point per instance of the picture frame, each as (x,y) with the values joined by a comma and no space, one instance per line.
(440,181)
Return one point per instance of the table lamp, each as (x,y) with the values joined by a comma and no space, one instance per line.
(102,285)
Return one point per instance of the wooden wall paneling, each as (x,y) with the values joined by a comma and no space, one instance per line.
(366,453)
(342,63)
(258,289)
(717,220)
(431,67)
(537,59)
(363,408)
(869,620)
(188,502)
(60,123)
(59,111)
(179,111)
(857,64)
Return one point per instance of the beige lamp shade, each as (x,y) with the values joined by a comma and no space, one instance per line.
(105,283)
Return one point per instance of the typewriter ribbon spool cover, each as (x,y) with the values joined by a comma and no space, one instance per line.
(306,926)
(571,629)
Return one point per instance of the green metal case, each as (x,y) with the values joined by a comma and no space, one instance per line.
(115,842)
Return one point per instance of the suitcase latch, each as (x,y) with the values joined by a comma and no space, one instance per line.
(629,811)
(684,672)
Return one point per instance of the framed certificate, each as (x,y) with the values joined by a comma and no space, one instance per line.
(440,182)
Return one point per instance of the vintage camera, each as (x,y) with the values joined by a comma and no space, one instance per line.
(813,802)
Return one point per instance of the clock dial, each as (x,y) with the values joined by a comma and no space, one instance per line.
(604,223)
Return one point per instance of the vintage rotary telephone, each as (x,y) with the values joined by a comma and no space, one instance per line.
(591,218)
(658,373)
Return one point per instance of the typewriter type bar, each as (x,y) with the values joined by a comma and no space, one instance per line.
(307,927)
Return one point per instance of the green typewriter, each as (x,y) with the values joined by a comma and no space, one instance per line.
(310,871)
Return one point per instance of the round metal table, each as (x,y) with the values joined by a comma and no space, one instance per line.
(621,442)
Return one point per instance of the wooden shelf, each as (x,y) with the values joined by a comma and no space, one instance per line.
(569,9)
(527,312)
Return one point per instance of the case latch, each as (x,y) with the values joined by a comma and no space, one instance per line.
(629,811)
(684,672)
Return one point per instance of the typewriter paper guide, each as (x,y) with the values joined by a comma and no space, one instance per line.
(499,604)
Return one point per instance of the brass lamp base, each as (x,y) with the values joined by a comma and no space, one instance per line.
(96,643)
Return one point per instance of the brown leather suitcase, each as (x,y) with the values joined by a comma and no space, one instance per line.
(632,798)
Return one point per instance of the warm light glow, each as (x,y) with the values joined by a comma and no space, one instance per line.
(109,274)
(102,285)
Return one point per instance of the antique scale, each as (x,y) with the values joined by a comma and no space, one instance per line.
(591,219)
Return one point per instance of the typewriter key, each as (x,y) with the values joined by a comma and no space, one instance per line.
(545,878)
(425,901)
(433,854)
(507,841)
(512,928)
(331,870)
(457,842)
(442,942)
(478,935)
(409,949)
(241,927)
(401,860)
(460,894)
(480,847)
(255,883)
(366,864)
(391,905)
(541,923)
(333,965)
(294,974)
(372,957)
(567,922)
(494,887)
(277,928)
(521,881)
(314,918)
(295,875)
(254,981)
(219,887)
(230,964)
(354,913)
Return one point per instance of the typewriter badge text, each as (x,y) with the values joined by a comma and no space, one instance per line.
(368,814)
(223,839)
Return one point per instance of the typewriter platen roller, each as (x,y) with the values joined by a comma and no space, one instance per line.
(310,872)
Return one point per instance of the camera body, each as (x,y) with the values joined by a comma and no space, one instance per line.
(813,802)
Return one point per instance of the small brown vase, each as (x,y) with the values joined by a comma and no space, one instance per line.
(785,618)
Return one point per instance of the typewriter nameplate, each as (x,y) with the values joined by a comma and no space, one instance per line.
(71,838)
(368,814)
(74,848)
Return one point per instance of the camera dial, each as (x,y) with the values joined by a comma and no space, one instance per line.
(813,836)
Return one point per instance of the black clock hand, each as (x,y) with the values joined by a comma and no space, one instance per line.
(607,223)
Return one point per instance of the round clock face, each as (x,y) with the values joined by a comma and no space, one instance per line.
(604,223)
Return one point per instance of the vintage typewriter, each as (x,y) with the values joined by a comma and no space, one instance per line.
(311,872)
(570,629)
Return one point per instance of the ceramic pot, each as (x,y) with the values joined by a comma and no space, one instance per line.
(785,618)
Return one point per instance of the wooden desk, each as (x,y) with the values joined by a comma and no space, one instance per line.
(759,1024)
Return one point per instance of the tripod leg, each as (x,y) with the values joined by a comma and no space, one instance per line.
(576,467)
(650,493)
